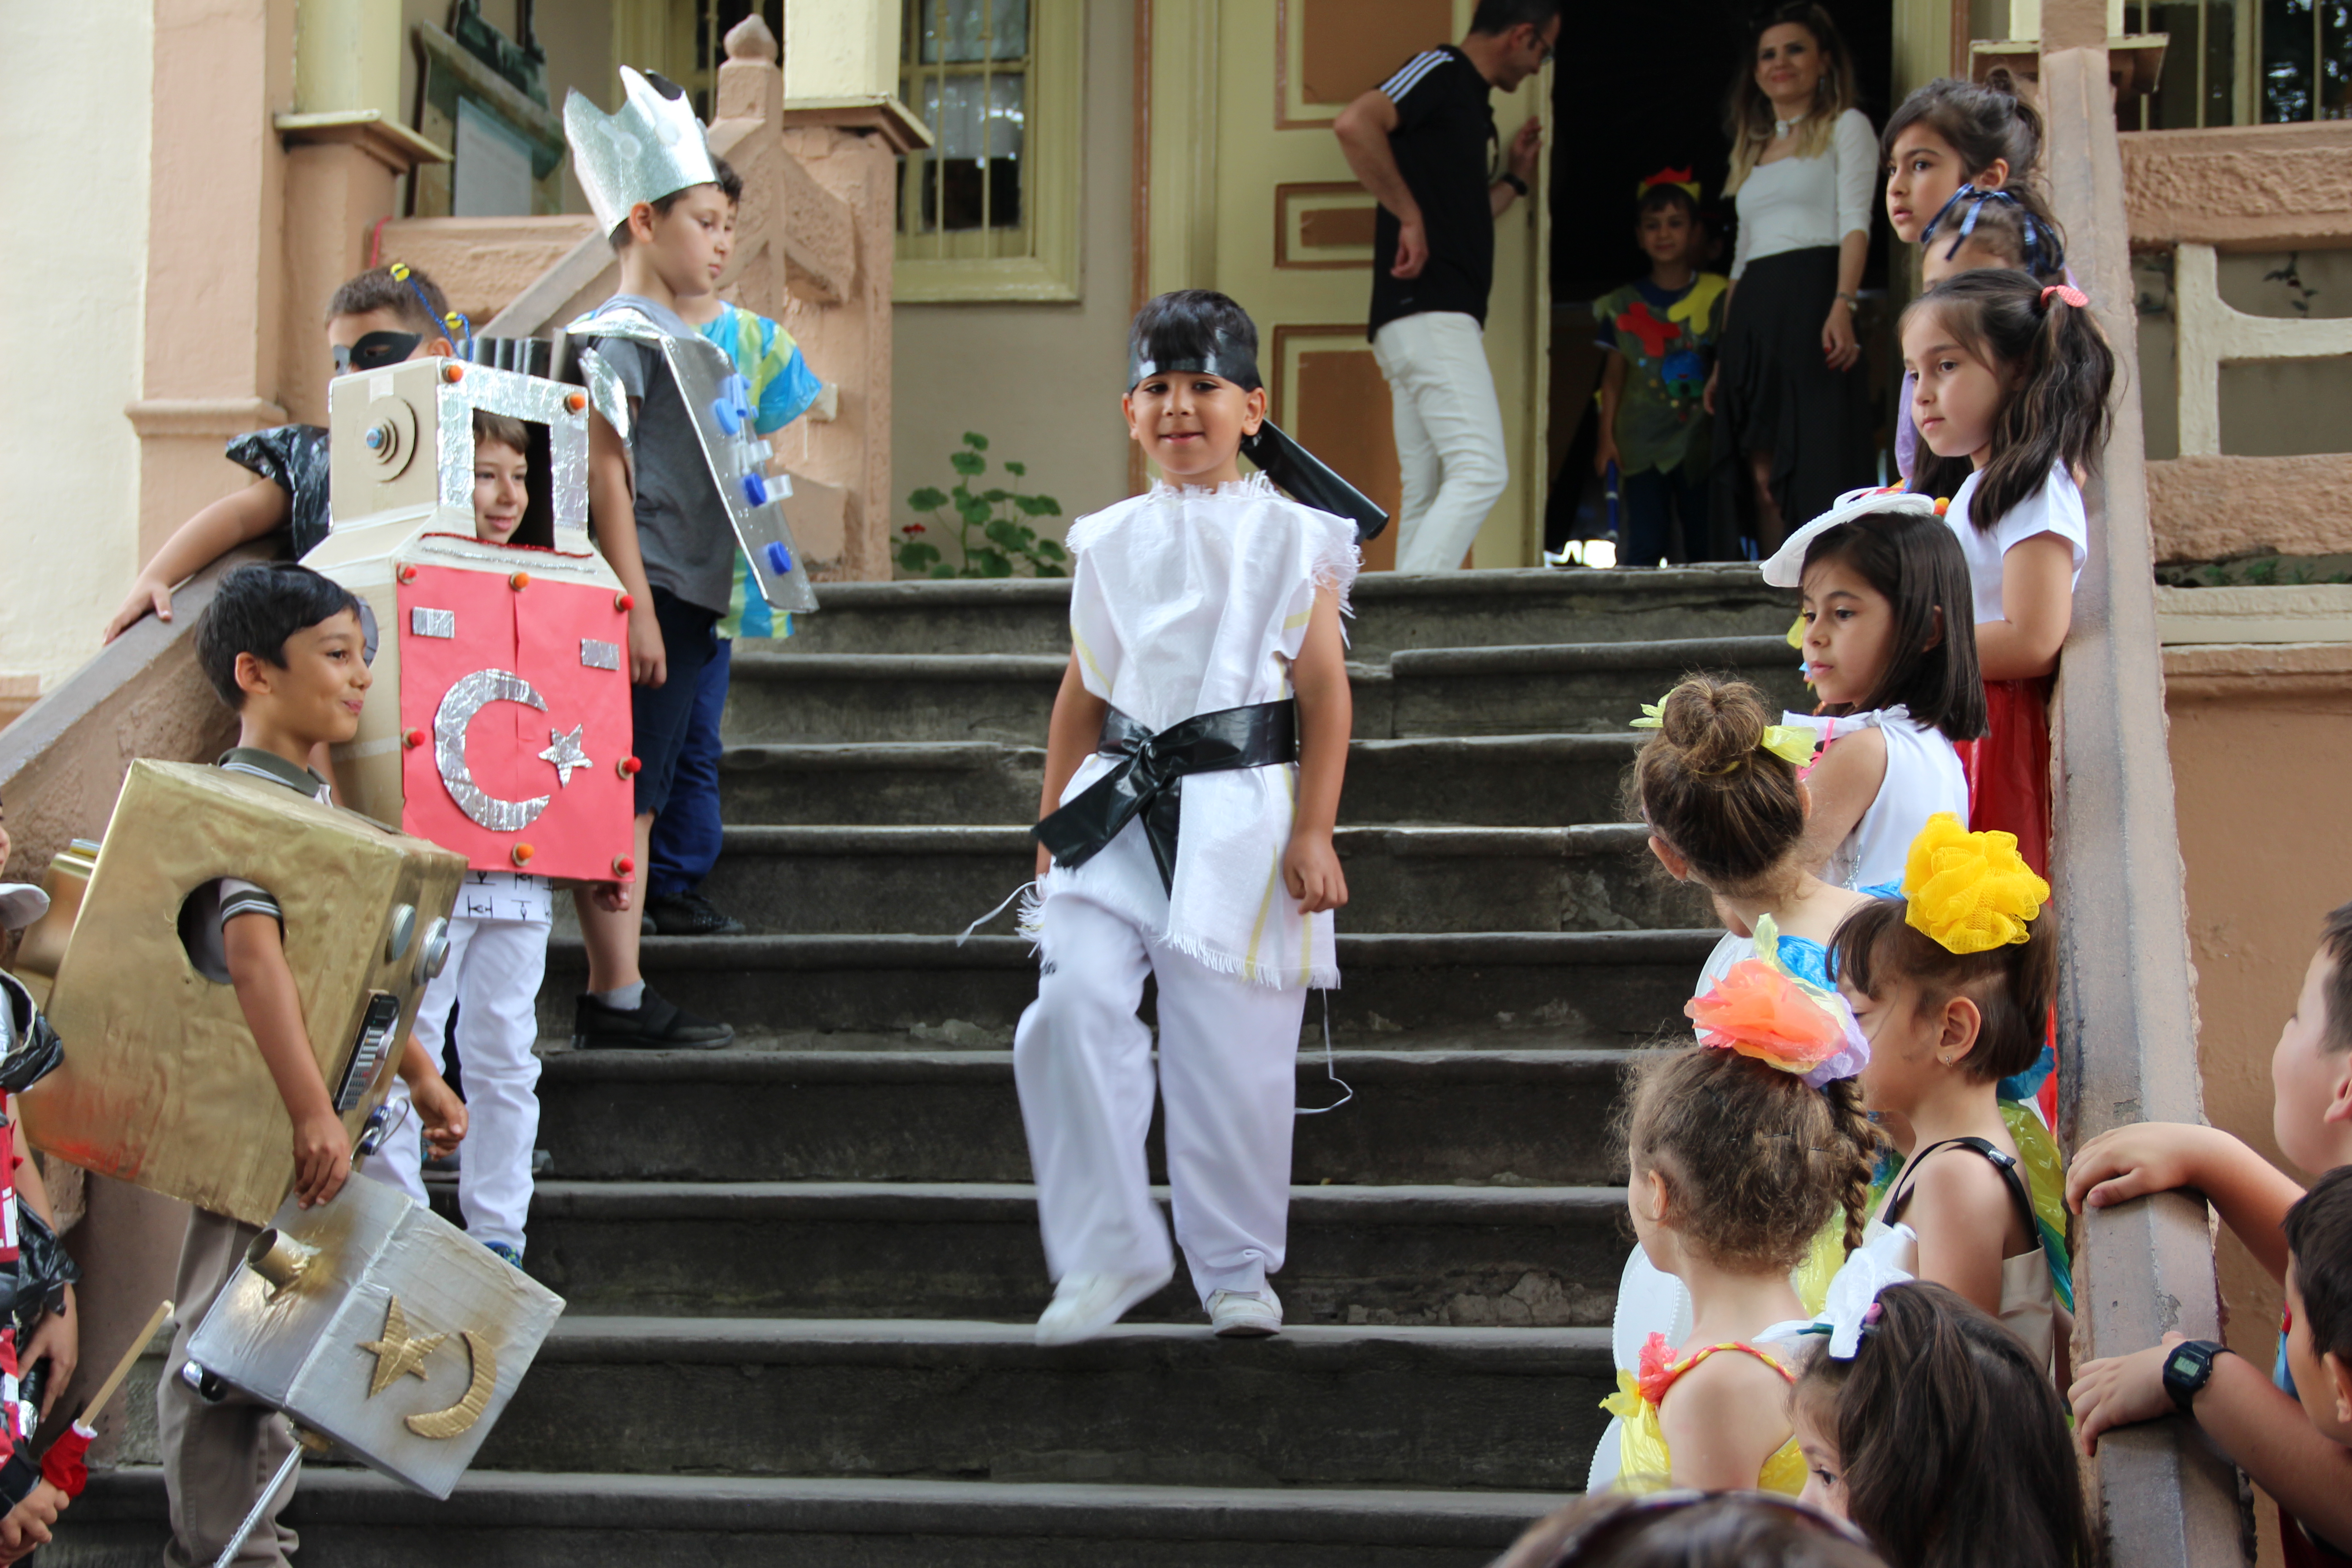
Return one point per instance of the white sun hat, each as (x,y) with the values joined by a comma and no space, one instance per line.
(1787,566)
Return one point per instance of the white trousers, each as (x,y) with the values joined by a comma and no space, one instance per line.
(1449,435)
(493,974)
(1228,1075)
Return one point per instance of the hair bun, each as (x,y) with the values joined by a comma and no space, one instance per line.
(1715,724)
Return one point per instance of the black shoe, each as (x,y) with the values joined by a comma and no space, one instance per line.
(654,1025)
(691,914)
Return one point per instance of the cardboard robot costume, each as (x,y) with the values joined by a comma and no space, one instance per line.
(651,148)
(161,1084)
(506,732)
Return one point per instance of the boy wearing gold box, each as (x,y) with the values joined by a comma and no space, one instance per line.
(286,648)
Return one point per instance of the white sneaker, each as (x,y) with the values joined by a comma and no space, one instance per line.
(1238,1316)
(1086,1304)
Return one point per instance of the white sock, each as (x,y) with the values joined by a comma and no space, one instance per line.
(623,999)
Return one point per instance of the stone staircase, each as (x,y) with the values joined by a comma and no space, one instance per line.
(802,1271)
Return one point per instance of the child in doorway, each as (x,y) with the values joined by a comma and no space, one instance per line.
(282,645)
(374,320)
(1199,612)
(2013,376)
(2296,1455)
(1742,1149)
(1953,983)
(1883,588)
(1931,1426)
(498,956)
(1659,334)
(687,836)
(656,515)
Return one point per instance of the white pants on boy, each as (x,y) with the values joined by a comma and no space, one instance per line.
(1449,435)
(493,974)
(1227,1073)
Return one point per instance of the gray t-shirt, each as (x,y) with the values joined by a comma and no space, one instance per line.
(683,530)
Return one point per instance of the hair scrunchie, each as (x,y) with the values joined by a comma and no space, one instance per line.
(1970,892)
(2069,293)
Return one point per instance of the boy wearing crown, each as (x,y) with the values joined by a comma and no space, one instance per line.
(652,503)
(1659,334)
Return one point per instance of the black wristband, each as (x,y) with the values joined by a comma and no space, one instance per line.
(1516,182)
(2188,1367)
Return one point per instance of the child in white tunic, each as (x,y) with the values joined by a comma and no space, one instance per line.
(1890,650)
(1193,849)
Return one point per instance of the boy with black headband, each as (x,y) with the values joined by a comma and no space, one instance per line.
(384,315)
(1199,612)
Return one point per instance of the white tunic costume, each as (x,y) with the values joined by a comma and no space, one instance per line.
(1923,777)
(1186,602)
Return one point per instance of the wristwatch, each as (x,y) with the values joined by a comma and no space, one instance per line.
(2188,1367)
(1516,182)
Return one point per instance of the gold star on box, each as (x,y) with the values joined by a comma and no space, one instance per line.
(396,1353)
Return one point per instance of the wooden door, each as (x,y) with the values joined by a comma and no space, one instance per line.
(1247,192)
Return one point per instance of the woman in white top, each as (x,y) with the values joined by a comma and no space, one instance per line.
(1791,398)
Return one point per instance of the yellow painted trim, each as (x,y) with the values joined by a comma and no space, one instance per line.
(1257,930)
(1087,653)
(1054,139)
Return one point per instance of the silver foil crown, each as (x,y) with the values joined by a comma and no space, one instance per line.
(652,147)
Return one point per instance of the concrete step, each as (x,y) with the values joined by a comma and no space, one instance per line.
(1460,1257)
(1434,1115)
(1487,780)
(1508,690)
(811,881)
(1508,1409)
(535,1520)
(1452,609)
(1605,987)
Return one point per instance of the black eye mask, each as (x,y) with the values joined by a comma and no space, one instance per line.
(377,349)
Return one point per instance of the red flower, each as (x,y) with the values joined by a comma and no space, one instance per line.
(914,528)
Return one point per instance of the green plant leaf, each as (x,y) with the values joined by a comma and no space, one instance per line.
(917,556)
(1038,506)
(1044,570)
(928,499)
(945,573)
(992,563)
(1016,469)
(967,463)
(996,498)
(975,440)
(1048,550)
(973,510)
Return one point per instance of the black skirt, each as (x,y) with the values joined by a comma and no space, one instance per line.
(1773,394)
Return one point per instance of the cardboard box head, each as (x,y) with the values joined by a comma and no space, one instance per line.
(161,1085)
(499,725)
(375,1322)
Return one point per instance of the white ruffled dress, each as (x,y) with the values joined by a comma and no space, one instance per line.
(1192,601)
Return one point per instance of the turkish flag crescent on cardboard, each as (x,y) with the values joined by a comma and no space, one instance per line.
(514,722)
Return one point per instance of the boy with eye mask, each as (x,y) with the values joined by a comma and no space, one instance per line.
(377,319)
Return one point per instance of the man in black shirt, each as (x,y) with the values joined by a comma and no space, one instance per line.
(1422,143)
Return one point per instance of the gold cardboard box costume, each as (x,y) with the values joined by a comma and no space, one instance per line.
(375,1322)
(162,1085)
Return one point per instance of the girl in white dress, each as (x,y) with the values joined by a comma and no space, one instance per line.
(1889,650)
(1188,813)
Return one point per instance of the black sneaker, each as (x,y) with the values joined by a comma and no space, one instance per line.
(691,914)
(654,1025)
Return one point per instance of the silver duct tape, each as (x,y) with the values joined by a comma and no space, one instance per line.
(427,623)
(607,393)
(467,696)
(566,753)
(754,500)
(596,655)
(535,400)
(651,146)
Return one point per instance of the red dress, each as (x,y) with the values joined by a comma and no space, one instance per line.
(2009,790)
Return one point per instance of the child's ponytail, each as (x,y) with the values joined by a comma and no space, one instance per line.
(1854,1157)
(2045,337)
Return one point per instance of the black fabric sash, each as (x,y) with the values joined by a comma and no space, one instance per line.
(1149,780)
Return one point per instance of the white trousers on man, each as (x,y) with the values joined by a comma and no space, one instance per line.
(1449,434)
(1227,1074)
(493,976)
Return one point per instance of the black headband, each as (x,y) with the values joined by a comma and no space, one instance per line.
(1229,363)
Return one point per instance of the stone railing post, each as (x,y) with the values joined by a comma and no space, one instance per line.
(2127,1012)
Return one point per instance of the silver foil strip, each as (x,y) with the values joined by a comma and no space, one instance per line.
(425,622)
(599,655)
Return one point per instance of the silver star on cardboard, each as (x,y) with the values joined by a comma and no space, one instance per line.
(566,754)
